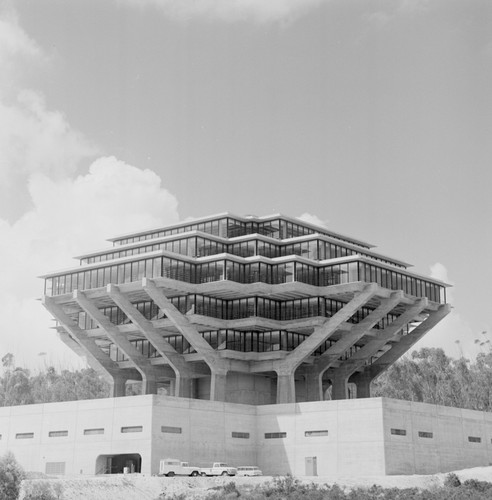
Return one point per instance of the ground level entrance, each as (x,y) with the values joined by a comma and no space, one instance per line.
(118,464)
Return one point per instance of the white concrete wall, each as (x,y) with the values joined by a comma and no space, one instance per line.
(206,434)
(448,449)
(77,450)
(359,439)
(354,442)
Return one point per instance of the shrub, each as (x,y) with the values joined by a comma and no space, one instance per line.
(475,484)
(42,490)
(11,476)
(452,481)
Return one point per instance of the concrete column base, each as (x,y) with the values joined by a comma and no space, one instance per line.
(340,387)
(286,392)
(218,382)
(118,387)
(313,386)
(363,383)
(183,387)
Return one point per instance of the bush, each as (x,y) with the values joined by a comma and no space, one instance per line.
(42,490)
(452,481)
(475,484)
(11,476)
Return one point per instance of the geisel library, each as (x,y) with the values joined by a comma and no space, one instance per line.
(255,341)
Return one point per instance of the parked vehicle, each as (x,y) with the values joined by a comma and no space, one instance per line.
(172,467)
(218,469)
(249,470)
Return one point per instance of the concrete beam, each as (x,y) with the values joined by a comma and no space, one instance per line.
(407,341)
(286,368)
(218,367)
(137,359)
(183,372)
(341,375)
(79,341)
(324,332)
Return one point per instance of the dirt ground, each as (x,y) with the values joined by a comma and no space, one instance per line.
(141,487)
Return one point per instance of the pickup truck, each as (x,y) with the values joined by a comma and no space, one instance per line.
(218,469)
(172,467)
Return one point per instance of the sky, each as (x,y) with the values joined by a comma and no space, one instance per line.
(373,117)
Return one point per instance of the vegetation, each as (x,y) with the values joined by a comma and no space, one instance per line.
(430,376)
(42,490)
(289,488)
(11,476)
(19,387)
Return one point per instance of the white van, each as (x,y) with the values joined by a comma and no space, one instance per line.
(249,470)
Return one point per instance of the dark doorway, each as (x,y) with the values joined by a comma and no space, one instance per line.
(128,463)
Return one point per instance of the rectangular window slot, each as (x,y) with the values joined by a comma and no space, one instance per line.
(399,432)
(315,433)
(133,428)
(474,439)
(169,430)
(24,435)
(92,432)
(428,435)
(240,435)
(55,434)
(275,435)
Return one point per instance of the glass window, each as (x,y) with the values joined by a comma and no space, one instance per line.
(91,432)
(57,434)
(171,430)
(315,433)
(133,428)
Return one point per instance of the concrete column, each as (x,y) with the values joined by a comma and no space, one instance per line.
(286,392)
(167,352)
(314,390)
(218,382)
(363,382)
(339,386)
(183,387)
(118,386)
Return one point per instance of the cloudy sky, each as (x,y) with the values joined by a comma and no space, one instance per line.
(374,116)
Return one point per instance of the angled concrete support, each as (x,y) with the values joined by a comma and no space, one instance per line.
(357,361)
(405,342)
(182,386)
(218,367)
(137,359)
(332,354)
(324,332)
(286,367)
(78,340)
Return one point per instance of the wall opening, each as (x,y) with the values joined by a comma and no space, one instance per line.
(119,464)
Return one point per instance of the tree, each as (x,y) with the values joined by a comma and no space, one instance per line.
(11,476)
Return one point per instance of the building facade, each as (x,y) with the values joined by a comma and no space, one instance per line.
(352,437)
(248,310)
(254,341)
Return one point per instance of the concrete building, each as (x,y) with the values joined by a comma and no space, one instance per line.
(254,340)
(253,310)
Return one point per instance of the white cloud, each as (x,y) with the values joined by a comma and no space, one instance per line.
(16,48)
(453,334)
(32,138)
(313,219)
(40,155)
(261,11)
(69,216)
